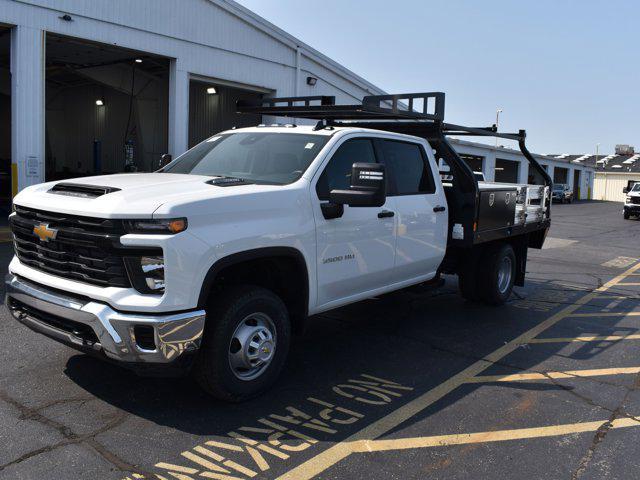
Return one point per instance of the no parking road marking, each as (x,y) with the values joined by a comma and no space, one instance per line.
(342,450)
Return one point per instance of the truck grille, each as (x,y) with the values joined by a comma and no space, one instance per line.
(635,200)
(82,248)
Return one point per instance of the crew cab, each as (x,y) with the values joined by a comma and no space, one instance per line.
(632,201)
(212,263)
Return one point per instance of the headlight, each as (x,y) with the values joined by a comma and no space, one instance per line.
(628,200)
(147,273)
(162,226)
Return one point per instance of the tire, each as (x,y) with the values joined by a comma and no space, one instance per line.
(224,366)
(497,282)
(626,215)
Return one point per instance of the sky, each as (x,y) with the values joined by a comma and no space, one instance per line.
(566,71)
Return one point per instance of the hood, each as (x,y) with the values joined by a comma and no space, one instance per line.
(130,195)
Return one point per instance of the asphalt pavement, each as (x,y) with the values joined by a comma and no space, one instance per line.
(410,385)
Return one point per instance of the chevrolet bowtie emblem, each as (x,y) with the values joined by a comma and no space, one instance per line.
(44,233)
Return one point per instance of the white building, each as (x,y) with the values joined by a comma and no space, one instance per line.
(72,91)
(501,164)
(82,79)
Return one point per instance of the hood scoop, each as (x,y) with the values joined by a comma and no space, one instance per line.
(228,181)
(80,190)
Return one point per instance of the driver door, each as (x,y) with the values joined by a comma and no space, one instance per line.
(356,251)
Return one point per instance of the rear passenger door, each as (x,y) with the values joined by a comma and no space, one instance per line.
(420,205)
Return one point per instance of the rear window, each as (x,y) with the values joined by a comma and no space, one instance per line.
(409,168)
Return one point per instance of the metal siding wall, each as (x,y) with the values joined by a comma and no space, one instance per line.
(207,40)
(27,106)
(489,152)
(195,21)
(609,186)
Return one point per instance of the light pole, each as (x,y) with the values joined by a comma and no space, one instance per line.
(498,112)
(597,154)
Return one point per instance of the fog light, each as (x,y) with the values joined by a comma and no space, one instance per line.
(153,273)
(146,272)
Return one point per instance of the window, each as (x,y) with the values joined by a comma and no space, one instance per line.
(337,174)
(408,167)
(262,157)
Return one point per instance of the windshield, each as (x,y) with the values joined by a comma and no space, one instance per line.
(257,157)
(558,187)
(636,188)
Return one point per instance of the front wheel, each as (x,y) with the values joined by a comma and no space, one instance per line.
(626,215)
(245,344)
(498,271)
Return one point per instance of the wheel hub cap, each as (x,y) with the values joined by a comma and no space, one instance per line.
(504,274)
(252,346)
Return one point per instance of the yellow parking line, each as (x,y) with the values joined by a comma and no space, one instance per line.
(606,314)
(339,451)
(483,437)
(630,284)
(519,377)
(607,338)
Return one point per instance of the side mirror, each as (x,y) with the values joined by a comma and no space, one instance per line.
(165,159)
(368,187)
(625,190)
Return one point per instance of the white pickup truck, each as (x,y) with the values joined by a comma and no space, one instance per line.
(208,265)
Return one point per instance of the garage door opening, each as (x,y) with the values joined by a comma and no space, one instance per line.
(475,162)
(212,109)
(507,171)
(576,184)
(560,175)
(106,109)
(5,122)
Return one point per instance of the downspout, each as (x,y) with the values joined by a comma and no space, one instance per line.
(296,88)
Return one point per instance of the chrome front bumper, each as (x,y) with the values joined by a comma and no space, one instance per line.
(93,326)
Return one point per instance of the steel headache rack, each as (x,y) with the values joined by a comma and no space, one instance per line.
(422,115)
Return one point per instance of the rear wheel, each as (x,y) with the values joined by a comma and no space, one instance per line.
(245,343)
(498,274)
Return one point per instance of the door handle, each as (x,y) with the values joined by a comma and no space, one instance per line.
(439,208)
(386,214)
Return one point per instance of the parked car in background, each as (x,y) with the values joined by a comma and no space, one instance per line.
(632,201)
(562,193)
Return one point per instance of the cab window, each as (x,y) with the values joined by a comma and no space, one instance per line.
(408,166)
(337,173)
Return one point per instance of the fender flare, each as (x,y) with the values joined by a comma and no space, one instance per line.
(254,254)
